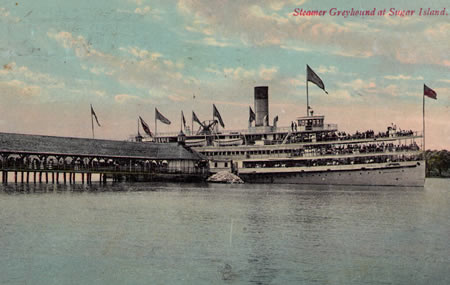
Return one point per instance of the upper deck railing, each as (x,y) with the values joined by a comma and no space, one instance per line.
(269,130)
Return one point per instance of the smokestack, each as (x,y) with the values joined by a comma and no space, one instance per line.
(261,105)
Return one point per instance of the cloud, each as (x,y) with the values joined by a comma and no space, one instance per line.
(402,77)
(5,14)
(327,69)
(238,73)
(267,73)
(122,98)
(210,41)
(176,98)
(142,10)
(136,67)
(296,48)
(262,23)
(19,88)
(11,72)
(99,93)
(141,53)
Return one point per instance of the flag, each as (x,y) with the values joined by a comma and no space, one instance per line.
(251,116)
(95,116)
(145,127)
(275,120)
(196,119)
(159,116)
(183,120)
(216,114)
(314,78)
(427,91)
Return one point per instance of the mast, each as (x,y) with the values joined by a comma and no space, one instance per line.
(423,122)
(92,123)
(307,99)
(307,95)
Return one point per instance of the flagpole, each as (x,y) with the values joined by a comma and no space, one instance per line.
(423,122)
(181,123)
(307,99)
(92,123)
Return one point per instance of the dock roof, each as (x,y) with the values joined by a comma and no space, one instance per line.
(38,144)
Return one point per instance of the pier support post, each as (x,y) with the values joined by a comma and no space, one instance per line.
(57,177)
(21,176)
(64,175)
(35,177)
(40,177)
(15,177)
(46,177)
(28,177)
(53,177)
(82,178)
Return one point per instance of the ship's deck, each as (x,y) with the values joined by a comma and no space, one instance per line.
(303,144)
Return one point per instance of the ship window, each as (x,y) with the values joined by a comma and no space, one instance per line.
(215,164)
(226,164)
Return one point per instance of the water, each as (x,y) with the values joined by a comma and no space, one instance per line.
(224,234)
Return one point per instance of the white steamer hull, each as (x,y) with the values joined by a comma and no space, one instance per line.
(404,174)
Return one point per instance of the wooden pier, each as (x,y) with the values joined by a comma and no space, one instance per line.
(47,159)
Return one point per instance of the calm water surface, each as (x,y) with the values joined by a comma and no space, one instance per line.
(224,234)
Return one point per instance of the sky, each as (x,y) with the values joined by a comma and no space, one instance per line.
(126,57)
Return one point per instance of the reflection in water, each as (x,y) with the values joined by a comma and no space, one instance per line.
(223,234)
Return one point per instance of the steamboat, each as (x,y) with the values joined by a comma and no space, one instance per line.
(309,151)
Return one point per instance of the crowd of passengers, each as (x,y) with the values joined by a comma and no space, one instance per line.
(357,148)
(340,136)
(369,134)
(329,162)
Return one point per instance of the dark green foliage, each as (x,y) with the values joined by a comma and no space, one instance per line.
(438,163)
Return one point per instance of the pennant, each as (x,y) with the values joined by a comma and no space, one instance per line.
(314,78)
(427,91)
(145,127)
(196,119)
(183,120)
(251,116)
(95,116)
(216,114)
(159,116)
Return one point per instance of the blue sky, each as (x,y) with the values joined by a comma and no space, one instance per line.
(127,57)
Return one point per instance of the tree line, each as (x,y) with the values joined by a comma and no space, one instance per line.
(438,163)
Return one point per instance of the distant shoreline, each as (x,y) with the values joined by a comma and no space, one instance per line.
(438,163)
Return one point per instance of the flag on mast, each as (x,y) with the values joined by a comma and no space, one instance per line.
(275,120)
(159,116)
(145,127)
(427,91)
(183,119)
(95,116)
(252,115)
(314,78)
(216,114)
(196,119)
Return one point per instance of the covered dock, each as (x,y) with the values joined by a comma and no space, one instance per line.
(43,156)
